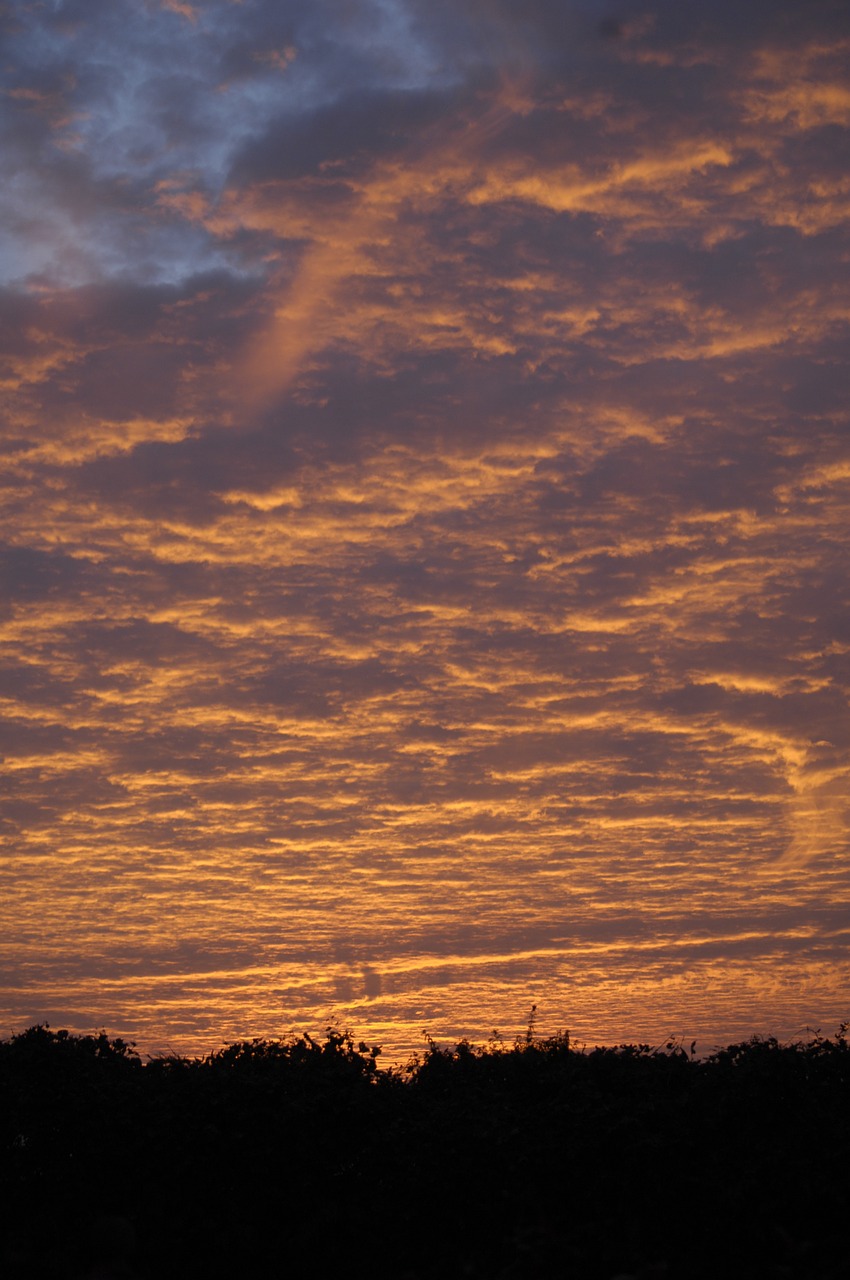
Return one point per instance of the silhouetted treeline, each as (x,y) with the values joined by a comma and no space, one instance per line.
(283,1158)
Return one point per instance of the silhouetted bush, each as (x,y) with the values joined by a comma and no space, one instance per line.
(531,1160)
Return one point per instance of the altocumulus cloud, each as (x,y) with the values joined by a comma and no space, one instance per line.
(425,508)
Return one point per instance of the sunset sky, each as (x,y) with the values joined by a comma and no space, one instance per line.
(425,521)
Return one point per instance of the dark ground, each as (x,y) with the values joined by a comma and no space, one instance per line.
(279,1159)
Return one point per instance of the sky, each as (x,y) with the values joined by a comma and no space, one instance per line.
(425,511)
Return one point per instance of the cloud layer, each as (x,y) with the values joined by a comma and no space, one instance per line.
(426,474)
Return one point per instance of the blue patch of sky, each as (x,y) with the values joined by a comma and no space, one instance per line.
(151,95)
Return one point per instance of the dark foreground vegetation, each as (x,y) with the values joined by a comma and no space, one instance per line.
(296,1157)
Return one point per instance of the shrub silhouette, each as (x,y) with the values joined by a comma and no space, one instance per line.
(532,1160)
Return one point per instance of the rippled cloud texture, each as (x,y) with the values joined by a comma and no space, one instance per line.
(425,517)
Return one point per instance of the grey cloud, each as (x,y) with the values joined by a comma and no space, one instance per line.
(187,478)
(125,382)
(322,687)
(703,468)
(104,333)
(48,798)
(27,573)
(137,639)
(339,140)
(30,685)
(197,753)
